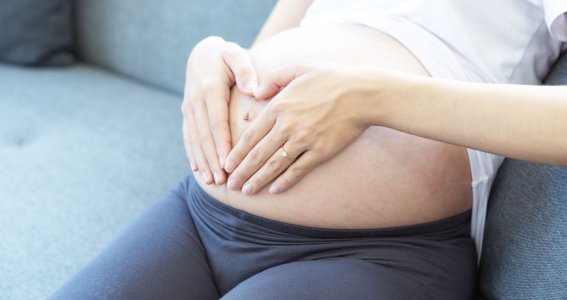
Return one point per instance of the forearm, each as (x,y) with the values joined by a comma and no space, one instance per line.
(285,15)
(523,122)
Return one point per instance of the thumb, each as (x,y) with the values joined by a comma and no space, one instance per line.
(275,80)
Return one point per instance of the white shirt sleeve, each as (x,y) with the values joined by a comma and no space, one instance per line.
(556,18)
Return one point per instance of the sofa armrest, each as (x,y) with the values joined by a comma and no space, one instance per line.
(525,241)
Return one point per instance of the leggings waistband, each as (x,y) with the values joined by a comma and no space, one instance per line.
(457,224)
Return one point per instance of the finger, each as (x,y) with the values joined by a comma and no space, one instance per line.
(187,143)
(275,80)
(255,159)
(186,112)
(304,164)
(206,140)
(238,61)
(277,164)
(259,128)
(199,158)
(219,126)
(186,138)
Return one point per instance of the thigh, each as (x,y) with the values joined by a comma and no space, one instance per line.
(339,278)
(159,256)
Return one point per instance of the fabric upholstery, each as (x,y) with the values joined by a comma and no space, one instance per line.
(151,40)
(558,76)
(82,152)
(525,243)
(525,252)
(36,32)
(84,149)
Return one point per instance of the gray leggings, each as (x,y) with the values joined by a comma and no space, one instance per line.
(190,246)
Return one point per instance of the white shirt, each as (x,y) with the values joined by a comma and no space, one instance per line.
(493,41)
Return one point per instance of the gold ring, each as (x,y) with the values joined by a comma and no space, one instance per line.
(285,154)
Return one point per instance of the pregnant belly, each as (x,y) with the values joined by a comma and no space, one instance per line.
(385,178)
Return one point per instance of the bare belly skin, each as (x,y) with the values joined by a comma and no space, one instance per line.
(386,178)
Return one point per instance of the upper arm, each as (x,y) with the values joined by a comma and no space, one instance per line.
(286,14)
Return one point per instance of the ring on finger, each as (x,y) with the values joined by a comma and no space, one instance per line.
(286,154)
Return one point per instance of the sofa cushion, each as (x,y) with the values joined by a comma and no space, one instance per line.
(151,40)
(525,242)
(36,32)
(82,151)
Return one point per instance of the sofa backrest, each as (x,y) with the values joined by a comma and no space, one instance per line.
(150,40)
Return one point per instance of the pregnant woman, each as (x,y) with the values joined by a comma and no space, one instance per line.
(387,215)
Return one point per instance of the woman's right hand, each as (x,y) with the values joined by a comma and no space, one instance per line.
(213,67)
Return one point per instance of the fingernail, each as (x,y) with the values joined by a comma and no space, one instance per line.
(206,177)
(274,189)
(250,87)
(221,161)
(248,189)
(259,91)
(229,166)
(217,176)
(232,184)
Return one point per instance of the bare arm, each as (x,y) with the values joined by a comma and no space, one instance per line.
(518,121)
(285,15)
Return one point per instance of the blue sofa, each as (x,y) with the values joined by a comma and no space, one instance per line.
(85,148)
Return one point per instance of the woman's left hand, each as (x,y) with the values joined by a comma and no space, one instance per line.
(316,113)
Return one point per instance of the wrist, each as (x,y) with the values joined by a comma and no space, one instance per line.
(371,97)
(393,97)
